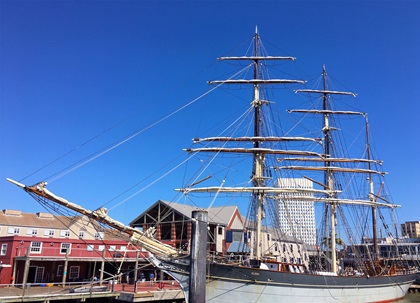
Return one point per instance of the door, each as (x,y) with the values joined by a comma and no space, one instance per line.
(39,274)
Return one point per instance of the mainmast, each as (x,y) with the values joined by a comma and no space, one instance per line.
(328,173)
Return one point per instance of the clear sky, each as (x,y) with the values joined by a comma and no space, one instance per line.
(74,70)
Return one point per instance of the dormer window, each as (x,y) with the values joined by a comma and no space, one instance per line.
(65,233)
(99,236)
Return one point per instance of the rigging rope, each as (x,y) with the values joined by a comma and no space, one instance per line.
(94,156)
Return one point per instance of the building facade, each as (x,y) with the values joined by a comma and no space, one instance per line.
(42,248)
(411,229)
(296,218)
(170,223)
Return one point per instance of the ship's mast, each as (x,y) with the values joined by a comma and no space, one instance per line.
(259,158)
(258,190)
(328,169)
(372,197)
(328,178)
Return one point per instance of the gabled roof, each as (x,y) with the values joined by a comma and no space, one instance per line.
(217,215)
(41,220)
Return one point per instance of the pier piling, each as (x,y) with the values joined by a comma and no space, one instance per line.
(197,283)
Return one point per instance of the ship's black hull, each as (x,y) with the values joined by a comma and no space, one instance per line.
(227,283)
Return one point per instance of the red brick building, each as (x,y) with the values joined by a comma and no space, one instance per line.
(58,248)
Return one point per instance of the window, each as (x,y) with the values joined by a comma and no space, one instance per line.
(65,247)
(32,231)
(123,248)
(237,235)
(59,270)
(3,249)
(101,247)
(90,247)
(220,230)
(112,248)
(99,236)
(74,272)
(82,234)
(49,233)
(13,230)
(65,233)
(36,247)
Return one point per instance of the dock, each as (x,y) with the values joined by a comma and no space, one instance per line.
(47,294)
(414,288)
(164,291)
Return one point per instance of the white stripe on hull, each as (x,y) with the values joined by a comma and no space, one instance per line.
(233,292)
(225,291)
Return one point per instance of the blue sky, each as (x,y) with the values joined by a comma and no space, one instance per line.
(74,70)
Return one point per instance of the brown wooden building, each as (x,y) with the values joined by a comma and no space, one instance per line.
(171,223)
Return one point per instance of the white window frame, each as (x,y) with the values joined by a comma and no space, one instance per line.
(3,250)
(32,231)
(63,249)
(39,274)
(60,269)
(82,234)
(65,233)
(74,272)
(101,247)
(13,230)
(49,233)
(99,236)
(37,249)
(90,247)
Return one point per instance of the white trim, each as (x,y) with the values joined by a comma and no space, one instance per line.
(60,269)
(3,250)
(63,250)
(36,249)
(73,271)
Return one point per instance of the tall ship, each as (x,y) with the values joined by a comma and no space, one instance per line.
(292,174)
